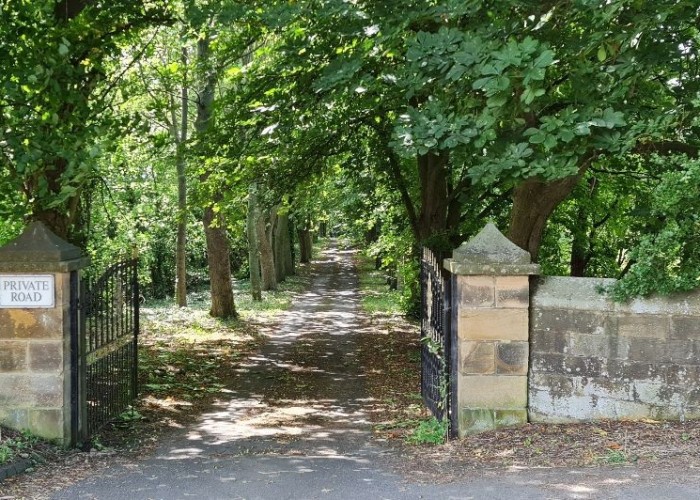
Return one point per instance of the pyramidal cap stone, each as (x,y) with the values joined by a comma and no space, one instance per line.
(39,249)
(490,253)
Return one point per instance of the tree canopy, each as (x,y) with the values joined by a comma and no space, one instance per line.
(573,125)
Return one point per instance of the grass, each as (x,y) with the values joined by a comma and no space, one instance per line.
(429,431)
(376,296)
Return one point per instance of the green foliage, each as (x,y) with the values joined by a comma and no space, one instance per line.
(21,443)
(667,257)
(431,431)
(376,296)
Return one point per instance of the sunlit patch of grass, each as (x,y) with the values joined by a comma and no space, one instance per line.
(376,295)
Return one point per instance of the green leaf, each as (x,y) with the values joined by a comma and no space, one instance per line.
(602,55)
(545,59)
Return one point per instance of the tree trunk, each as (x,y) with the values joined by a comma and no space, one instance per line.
(279,264)
(282,247)
(267,259)
(534,201)
(253,251)
(222,304)
(305,245)
(180,163)
(579,244)
(434,191)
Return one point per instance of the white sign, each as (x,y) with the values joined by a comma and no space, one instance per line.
(22,291)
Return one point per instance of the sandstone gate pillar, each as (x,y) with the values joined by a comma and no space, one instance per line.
(38,271)
(490,303)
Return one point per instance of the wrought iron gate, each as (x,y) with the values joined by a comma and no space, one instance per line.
(107,358)
(436,341)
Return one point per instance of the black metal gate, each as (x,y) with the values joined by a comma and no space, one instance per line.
(106,378)
(436,341)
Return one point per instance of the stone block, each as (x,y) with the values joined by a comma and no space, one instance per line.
(567,365)
(644,326)
(584,366)
(46,423)
(31,324)
(582,344)
(544,362)
(31,390)
(48,390)
(509,418)
(13,356)
(473,421)
(568,293)
(46,356)
(573,321)
(476,291)
(513,292)
(477,357)
(14,391)
(493,324)
(647,350)
(548,342)
(492,391)
(556,386)
(14,418)
(627,371)
(681,351)
(512,358)
(685,327)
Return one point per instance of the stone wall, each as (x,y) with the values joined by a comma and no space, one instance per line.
(591,358)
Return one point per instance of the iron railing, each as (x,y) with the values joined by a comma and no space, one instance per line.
(436,342)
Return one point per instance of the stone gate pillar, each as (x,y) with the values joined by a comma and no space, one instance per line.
(490,301)
(36,273)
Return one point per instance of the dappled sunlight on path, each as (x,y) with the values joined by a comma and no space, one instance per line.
(303,393)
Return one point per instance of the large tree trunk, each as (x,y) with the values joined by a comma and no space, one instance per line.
(180,164)
(282,247)
(267,259)
(305,245)
(534,200)
(253,251)
(434,185)
(222,304)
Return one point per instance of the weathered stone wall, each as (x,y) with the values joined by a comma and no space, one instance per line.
(591,358)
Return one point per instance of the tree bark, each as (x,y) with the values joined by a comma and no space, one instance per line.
(180,161)
(534,200)
(253,251)
(222,303)
(434,184)
(218,253)
(267,259)
(282,247)
(305,245)
(279,265)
